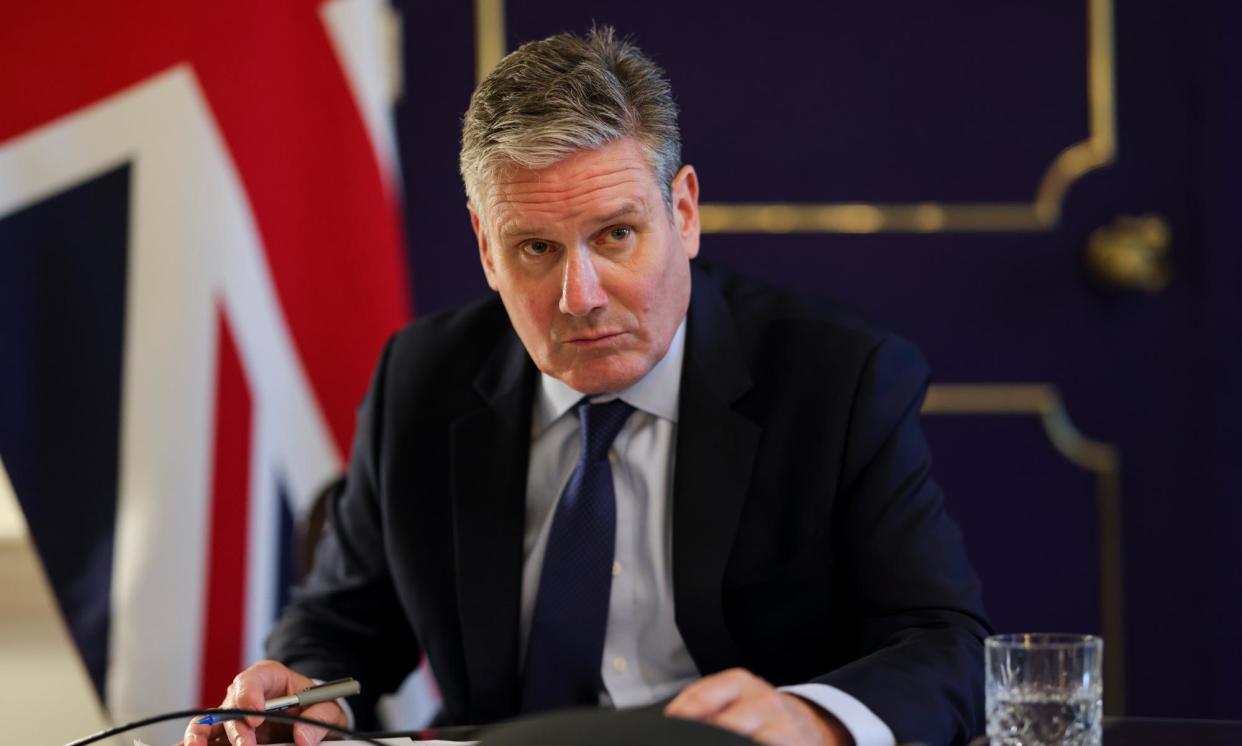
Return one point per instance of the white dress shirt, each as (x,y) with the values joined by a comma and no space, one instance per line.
(645,659)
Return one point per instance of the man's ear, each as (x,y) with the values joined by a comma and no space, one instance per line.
(485,254)
(685,194)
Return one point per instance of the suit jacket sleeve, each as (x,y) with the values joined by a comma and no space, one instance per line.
(345,620)
(918,614)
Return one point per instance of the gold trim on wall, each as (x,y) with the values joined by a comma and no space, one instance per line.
(1041,214)
(1102,459)
(927,217)
(489,36)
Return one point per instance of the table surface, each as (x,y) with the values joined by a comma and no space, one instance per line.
(1137,731)
(646,725)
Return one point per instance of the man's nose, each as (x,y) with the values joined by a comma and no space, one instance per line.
(581,292)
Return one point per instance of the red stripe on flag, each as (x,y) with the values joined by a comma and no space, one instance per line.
(225,600)
(303,154)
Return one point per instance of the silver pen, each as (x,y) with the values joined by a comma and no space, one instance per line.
(327,691)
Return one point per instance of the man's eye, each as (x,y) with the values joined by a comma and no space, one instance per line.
(620,233)
(536,248)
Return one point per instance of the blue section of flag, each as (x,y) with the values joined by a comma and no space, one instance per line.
(62,317)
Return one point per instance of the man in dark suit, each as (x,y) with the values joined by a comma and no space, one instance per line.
(756,535)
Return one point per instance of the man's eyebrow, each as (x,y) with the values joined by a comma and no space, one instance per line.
(510,231)
(513,230)
(626,210)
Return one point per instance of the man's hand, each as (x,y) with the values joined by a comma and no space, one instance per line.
(249,691)
(739,701)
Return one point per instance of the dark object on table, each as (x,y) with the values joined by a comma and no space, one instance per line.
(609,728)
(1163,731)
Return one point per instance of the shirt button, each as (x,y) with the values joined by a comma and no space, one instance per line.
(620,665)
(616,568)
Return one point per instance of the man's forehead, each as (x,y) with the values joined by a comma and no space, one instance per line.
(620,160)
(599,185)
(592,170)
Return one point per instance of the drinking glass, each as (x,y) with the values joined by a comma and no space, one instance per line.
(1044,689)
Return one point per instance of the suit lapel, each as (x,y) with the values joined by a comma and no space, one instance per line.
(715,453)
(490,452)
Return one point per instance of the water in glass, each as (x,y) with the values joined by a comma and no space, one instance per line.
(1035,716)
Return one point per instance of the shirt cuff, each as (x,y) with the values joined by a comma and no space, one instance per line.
(862,723)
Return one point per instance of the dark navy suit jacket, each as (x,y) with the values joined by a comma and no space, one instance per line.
(809,540)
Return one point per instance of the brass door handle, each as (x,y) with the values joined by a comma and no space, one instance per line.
(1131,254)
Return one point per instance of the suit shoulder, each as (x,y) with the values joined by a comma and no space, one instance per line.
(447,346)
(473,325)
(770,318)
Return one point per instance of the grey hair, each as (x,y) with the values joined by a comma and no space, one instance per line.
(564,94)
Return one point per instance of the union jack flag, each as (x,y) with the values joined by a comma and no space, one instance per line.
(200,258)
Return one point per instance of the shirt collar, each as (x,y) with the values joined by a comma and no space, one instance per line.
(657,392)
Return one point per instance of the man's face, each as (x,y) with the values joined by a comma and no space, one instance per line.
(593,270)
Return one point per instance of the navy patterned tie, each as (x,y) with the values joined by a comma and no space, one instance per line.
(566,643)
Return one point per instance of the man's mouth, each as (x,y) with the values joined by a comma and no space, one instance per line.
(593,339)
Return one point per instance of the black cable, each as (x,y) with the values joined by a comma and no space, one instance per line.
(468,733)
(280,717)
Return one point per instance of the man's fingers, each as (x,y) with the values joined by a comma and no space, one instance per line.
(750,713)
(696,702)
(711,694)
(310,735)
(775,734)
(240,733)
(743,703)
(197,734)
(739,718)
(783,720)
(307,735)
(251,688)
(241,696)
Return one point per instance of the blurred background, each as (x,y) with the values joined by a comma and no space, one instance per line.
(212,217)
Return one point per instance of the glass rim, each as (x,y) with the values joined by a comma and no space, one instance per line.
(1042,641)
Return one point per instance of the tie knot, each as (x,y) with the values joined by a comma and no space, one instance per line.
(600,424)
